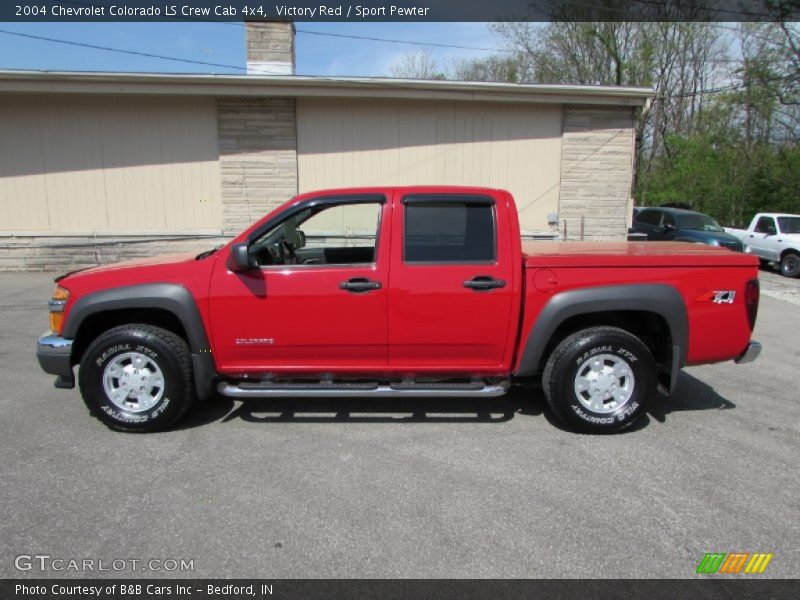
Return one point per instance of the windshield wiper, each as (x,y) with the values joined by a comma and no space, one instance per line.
(208,253)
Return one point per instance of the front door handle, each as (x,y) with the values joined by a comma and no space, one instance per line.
(360,285)
(482,283)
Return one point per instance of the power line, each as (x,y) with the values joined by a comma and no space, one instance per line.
(717,90)
(393,41)
(118,50)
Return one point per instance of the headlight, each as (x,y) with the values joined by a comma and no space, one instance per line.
(57,303)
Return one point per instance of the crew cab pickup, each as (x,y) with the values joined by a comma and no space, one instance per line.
(773,237)
(399,291)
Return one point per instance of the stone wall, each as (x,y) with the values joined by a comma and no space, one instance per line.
(596,173)
(258,157)
(62,254)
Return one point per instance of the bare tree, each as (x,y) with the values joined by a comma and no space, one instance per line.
(417,65)
(503,69)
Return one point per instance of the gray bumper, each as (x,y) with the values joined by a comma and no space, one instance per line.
(749,355)
(55,357)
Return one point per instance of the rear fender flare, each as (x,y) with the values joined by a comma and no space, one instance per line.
(661,299)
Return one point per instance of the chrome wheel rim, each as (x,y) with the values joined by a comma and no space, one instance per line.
(789,264)
(604,383)
(133,382)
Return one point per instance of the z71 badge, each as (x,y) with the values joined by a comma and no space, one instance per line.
(718,296)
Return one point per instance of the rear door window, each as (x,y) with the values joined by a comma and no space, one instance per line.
(449,229)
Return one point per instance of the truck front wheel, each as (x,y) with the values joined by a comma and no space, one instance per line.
(790,264)
(599,379)
(137,378)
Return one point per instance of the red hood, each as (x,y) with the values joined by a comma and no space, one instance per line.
(181,269)
(630,254)
(161,260)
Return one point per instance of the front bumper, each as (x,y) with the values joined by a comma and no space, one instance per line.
(749,355)
(55,357)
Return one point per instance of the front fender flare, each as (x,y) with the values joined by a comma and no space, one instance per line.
(170,297)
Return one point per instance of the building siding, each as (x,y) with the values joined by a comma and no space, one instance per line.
(344,143)
(107,165)
(596,173)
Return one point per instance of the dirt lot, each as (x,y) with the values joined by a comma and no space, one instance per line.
(428,488)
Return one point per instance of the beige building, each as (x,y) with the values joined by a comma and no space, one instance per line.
(100,167)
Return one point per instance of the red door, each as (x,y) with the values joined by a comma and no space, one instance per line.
(451,288)
(324,312)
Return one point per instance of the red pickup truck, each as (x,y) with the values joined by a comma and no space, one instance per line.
(399,291)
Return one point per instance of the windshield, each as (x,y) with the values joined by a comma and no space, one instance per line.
(698,222)
(789,224)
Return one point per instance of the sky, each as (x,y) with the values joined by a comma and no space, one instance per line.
(223,44)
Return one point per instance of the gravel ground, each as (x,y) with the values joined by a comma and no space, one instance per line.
(424,488)
(775,285)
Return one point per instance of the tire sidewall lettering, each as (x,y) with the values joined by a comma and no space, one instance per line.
(606,349)
(112,352)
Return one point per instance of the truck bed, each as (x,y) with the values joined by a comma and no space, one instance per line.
(630,254)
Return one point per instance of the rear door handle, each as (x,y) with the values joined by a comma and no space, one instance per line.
(483,283)
(360,285)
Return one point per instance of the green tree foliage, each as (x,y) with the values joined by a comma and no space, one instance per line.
(730,182)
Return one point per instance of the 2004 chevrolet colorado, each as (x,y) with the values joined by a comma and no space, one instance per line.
(399,291)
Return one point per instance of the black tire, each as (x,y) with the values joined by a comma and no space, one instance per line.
(163,355)
(614,348)
(790,265)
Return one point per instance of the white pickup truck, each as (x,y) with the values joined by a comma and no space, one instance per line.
(773,237)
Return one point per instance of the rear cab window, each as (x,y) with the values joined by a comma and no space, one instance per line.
(449,229)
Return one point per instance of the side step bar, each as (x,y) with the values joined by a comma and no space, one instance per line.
(368,390)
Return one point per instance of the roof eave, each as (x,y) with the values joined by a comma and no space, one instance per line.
(297,86)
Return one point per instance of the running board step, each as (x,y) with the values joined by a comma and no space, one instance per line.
(363,390)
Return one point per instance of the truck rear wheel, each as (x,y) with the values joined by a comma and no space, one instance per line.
(599,379)
(137,378)
(790,265)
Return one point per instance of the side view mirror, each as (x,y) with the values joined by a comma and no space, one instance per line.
(240,258)
(301,239)
(669,227)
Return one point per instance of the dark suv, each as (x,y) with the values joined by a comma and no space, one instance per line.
(677,225)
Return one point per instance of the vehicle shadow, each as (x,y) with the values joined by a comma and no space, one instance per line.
(689,394)
(527,400)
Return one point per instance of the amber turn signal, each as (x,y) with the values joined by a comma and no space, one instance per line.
(57,303)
